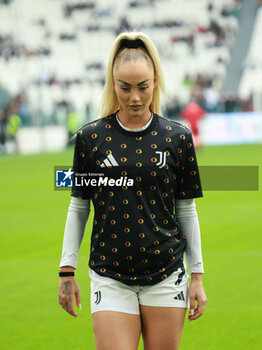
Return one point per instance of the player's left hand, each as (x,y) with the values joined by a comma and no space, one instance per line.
(197,297)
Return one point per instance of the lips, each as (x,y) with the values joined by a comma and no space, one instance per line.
(135,106)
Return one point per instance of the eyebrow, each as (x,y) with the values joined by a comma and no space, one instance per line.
(141,83)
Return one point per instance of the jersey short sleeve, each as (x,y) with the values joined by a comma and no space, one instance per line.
(189,184)
(80,166)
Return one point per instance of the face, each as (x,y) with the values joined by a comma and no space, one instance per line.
(134,83)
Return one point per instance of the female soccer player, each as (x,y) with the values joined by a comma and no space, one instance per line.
(142,178)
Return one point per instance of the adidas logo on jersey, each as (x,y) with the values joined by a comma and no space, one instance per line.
(109,162)
(180,296)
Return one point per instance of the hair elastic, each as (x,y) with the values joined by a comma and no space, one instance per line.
(131,44)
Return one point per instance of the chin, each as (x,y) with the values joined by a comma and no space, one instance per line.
(137,112)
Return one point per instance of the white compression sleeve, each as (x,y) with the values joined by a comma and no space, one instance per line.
(78,213)
(186,214)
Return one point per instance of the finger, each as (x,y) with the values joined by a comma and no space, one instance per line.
(61,301)
(196,316)
(201,306)
(78,299)
(64,302)
(192,306)
(199,310)
(65,305)
(192,313)
(71,309)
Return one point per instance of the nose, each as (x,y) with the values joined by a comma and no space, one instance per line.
(135,97)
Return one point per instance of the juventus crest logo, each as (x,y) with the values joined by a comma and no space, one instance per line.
(162,159)
(98,297)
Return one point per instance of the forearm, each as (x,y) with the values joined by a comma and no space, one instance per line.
(66,268)
(77,217)
(188,219)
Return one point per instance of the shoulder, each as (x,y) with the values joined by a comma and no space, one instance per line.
(92,129)
(171,125)
(95,126)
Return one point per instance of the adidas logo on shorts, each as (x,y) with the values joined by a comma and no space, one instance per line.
(180,296)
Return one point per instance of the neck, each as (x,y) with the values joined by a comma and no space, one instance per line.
(134,122)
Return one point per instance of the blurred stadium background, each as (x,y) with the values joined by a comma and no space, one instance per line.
(53,57)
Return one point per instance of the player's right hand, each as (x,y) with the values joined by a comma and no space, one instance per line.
(67,290)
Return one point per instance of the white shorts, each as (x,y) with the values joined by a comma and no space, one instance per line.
(108,294)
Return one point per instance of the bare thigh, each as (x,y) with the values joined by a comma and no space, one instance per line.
(116,330)
(162,327)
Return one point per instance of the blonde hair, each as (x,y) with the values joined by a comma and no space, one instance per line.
(109,102)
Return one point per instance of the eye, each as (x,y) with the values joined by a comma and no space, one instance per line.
(143,88)
(125,88)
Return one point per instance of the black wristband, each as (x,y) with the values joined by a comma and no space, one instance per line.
(66,274)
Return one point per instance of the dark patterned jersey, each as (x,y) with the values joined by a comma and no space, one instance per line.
(133,179)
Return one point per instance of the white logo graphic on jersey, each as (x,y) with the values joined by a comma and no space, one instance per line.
(162,160)
(109,162)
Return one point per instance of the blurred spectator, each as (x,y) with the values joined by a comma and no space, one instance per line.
(141,3)
(2,131)
(23,109)
(188,81)
(134,3)
(123,25)
(5,2)
(65,36)
(211,98)
(173,109)
(210,7)
(72,125)
(193,113)
(9,48)
(191,42)
(231,103)
(79,6)
(63,103)
(247,105)
(215,28)
(12,127)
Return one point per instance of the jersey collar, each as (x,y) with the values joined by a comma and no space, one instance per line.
(125,132)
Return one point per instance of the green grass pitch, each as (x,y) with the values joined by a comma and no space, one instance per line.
(33,217)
